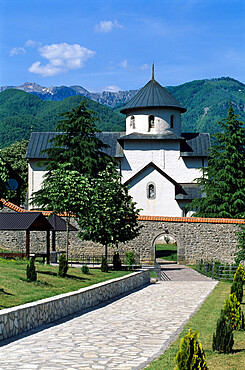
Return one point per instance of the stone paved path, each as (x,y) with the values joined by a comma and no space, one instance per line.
(125,334)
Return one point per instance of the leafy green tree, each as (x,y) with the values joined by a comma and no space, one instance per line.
(223,181)
(108,214)
(14,155)
(77,143)
(62,192)
(4,176)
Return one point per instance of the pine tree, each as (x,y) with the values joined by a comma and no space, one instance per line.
(77,143)
(223,181)
(223,337)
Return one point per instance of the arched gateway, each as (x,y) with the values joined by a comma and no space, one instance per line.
(197,238)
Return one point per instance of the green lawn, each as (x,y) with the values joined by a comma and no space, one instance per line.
(205,322)
(16,290)
(167,252)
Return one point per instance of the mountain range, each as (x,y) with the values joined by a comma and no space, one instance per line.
(31,105)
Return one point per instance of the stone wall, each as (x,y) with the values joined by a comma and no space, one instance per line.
(19,319)
(212,239)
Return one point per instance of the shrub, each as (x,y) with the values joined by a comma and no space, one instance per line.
(117,263)
(190,355)
(233,312)
(240,274)
(223,338)
(130,258)
(85,270)
(63,265)
(104,265)
(237,289)
(31,271)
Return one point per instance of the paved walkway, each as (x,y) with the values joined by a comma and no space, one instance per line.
(126,334)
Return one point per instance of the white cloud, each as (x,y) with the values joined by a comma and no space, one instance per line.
(61,58)
(124,64)
(31,43)
(107,26)
(112,88)
(17,51)
(144,67)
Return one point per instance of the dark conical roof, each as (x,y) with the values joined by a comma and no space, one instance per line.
(153,95)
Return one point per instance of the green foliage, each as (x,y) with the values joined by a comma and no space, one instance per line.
(19,111)
(130,257)
(107,214)
(104,265)
(63,266)
(190,355)
(237,289)
(239,274)
(223,181)
(31,271)
(117,263)
(14,155)
(4,177)
(232,311)
(85,270)
(223,337)
(240,255)
(77,143)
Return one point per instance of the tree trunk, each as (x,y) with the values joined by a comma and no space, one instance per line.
(67,236)
(106,248)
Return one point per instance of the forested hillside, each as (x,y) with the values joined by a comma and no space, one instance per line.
(20,112)
(206,102)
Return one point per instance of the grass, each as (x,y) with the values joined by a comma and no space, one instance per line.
(205,322)
(16,290)
(167,252)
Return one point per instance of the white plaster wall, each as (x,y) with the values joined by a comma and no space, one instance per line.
(162,121)
(165,154)
(35,178)
(164,204)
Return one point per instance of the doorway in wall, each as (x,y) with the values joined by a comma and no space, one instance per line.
(166,248)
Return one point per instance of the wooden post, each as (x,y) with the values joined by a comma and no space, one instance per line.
(27,243)
(53,240)
(48,246)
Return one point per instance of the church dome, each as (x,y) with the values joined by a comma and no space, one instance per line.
(153,95)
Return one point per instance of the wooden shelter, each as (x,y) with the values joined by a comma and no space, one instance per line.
(28,221)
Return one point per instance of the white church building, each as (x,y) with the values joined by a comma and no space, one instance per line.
(158,162)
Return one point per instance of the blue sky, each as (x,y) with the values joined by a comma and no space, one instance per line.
(111,44)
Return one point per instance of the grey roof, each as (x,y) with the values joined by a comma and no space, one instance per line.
(168,135)
(190,191)
(195,145)
(59,224)
(24,221)
(39,141)
(153,95)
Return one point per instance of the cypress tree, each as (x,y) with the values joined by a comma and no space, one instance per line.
(223,337)
(223,181)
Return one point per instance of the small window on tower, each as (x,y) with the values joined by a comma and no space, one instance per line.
(132,121)
(151,122)
(151,191)
(172,121)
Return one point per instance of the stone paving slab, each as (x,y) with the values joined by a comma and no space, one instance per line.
(125,334)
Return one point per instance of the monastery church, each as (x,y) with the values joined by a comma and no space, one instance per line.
(157,161)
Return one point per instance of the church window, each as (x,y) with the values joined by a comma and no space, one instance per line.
(172,121)
(151,122)
(132,121)
(151,191)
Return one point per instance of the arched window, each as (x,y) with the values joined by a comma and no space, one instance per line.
(151,190)
(172,121)
(132,121)
(151,122)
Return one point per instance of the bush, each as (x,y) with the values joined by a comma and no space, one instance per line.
(239,274)
(233,312)
(223,338)
(117,263)
(31,271)
(130,258)
(85,270)
(63,265)
(190,355)
(237,289)
(104,265)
